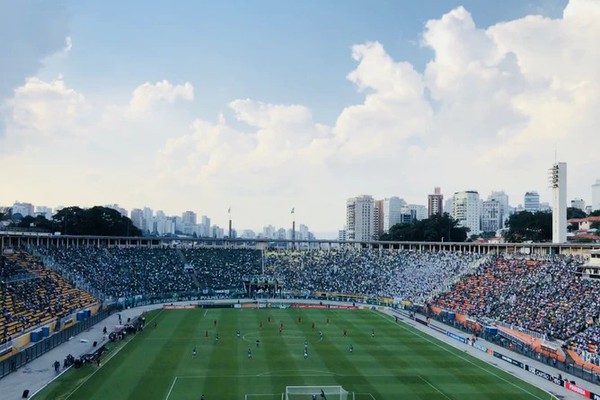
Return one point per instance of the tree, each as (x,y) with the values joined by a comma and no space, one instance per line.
(573,212)
(438,228)
(39,223)
(100,221)
(526,226)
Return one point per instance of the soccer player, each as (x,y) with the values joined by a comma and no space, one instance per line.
(217,338)
(202,397)
(321,334)
(238,333)
(314,397)
(351,348)
(345,333)
(194,352)
(249,354)
(257,342)
(372,332)
(313,326)
(305,354)
(215,323)
(323,395)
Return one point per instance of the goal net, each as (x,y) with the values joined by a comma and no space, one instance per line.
(322,393)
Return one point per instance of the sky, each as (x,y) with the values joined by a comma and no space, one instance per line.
(268,105)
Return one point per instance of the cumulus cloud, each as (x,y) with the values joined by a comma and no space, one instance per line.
(148,94)
(30,31)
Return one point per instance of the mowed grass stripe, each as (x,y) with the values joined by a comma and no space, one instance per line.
(400,362)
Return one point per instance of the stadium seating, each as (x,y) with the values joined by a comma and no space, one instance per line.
(31,295)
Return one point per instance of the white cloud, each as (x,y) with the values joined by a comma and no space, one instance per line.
(487,112)
(147,95)
(30,32)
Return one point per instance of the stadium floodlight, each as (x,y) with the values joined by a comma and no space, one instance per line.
(304,392)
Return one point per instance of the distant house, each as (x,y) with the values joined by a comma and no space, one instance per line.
(584,224)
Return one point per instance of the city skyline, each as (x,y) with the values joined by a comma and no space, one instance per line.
(262,106)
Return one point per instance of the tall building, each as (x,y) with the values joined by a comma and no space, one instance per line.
(505,210)
(578,203)
(25,209)
(596,195)
(205,231)
(491,216)
(531,201)
(466,209)
(392,212)
(360,218)
(558,182)
(43,211)
(148,221)
(189,217)
(449,206)
(435,203)
(137,218)
(418,211)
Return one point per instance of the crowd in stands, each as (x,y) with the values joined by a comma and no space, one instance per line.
(31,295)
(540,294)
(127,272)
(587,344)
(220,269)
(405,275)
(121,272)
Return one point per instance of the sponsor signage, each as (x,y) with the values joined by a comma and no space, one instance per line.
(509,360)
(456,337)
(480,347)
(579,390)
(323,306)
(178,306)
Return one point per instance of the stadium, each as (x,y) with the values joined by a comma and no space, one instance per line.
(147,318)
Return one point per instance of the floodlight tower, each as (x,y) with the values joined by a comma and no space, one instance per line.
(558,183)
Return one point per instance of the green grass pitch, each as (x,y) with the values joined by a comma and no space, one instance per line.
(399,362)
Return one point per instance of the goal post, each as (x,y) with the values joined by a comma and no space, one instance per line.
(322,393)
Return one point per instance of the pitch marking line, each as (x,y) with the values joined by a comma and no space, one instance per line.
(367,393)
(108,359)
(459,356)
(434,387)
(171,388)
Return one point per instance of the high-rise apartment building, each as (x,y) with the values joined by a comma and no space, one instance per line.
(435,203)
(596,195)
(418,211)
(137,218)
(505,209)
(578,203)
(25,209)
(558,182)
(491,216)
(43,211)
(466,209)
(392,212)
(360,218)
(531,201)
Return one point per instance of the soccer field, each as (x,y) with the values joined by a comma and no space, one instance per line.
(398,362)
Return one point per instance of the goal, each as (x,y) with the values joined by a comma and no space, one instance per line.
(306,392)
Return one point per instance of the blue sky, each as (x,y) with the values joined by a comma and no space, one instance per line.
(276,51)
(269,104)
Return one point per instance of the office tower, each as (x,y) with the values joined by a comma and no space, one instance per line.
(435,203)
(360,218)
(466,209)
(531,201)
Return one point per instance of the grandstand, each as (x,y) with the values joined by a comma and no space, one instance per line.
(530,297)
(32,296)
